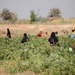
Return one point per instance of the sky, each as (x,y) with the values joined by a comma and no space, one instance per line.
(42,7)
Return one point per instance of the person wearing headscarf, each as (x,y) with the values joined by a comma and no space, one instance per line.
(8,33)
(25,38)
(53,39)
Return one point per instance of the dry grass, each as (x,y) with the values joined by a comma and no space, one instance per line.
(34,29)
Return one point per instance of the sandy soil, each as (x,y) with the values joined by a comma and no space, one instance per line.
(34,29)
(27,72)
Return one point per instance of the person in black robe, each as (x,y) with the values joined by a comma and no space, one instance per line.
(25,38)
(8,33)
(53,39)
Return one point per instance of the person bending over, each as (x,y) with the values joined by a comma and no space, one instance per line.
(8,33)
(39,34)
(53,39)
(25,38)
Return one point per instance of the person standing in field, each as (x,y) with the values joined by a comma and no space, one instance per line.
(8,33)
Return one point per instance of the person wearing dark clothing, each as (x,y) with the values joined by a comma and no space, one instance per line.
(53,39)
(25,38)
(8,33)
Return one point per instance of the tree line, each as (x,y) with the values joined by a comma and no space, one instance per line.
(11,16)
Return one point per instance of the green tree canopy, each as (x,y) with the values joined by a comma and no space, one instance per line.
(5,14)
(32,16)
(55,12)
(14,17)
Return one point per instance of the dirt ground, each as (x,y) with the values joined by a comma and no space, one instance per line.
(33,30)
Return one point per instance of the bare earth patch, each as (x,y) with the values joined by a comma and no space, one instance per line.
(33,29)
(27,72)
(2,71)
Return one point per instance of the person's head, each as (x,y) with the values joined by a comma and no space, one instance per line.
(73,29)
(25,34)
(7,29)
(41,32)
(52,34)
(56,33)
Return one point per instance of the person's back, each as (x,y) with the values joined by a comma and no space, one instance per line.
(25,38)
(53,39)
(39,34)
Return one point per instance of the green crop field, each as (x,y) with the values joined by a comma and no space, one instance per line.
(37,55)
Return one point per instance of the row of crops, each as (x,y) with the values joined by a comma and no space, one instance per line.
(37,55)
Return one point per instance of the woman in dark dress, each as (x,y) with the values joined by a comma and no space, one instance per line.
(8,33)
(25,38)
(53,39)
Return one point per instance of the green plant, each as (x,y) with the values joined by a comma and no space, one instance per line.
(37,55)
(6,15)
(32,16)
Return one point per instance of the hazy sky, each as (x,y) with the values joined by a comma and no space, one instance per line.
(23,7)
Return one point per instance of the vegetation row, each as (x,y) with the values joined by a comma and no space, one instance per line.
(37,55)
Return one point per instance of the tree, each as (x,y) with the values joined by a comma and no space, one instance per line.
(32,16)
(55,12)
(6,15)
(14,17)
